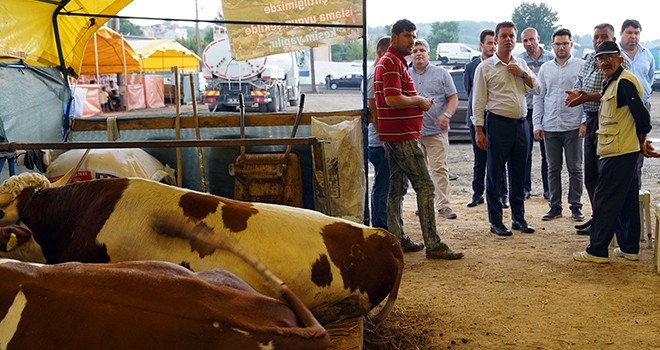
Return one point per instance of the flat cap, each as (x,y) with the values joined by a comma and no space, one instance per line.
(607,47)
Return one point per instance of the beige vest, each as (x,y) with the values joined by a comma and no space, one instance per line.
(616,131)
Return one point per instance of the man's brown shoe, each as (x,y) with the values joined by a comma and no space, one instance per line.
(442,251)
(408,246)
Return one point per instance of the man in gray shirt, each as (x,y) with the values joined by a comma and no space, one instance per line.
(535,56)
(435,83)
(561,127)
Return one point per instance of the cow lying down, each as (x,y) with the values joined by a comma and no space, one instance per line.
(338,268)
(143,305)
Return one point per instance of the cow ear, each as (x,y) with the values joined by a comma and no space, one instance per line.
(13,236)
(5,199)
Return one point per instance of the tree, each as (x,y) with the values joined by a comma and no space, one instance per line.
(128,28)
(442,32)
(347,52)
(541,17)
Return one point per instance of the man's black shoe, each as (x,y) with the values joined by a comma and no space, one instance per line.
(546,195)
(500,230)
(555,212)
(505,202)
(475,201)
(576,214)
(522,226)
(408,246)
(584,231)
(583,225)
(528,195)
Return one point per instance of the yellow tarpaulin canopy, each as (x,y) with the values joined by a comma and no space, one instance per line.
(109,55)
(28,31)
(162,55)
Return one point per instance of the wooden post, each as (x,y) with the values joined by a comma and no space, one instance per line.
(200,156)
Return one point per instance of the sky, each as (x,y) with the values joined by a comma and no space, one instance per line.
(580,16)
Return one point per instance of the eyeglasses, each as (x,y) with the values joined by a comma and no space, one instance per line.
(561,44)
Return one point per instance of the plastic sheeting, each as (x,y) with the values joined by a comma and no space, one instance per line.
(109,56)
(162,55)
(32,103)
(28,31)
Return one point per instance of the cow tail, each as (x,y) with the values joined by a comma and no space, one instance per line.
(391,299)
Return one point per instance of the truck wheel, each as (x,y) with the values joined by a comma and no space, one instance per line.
(263,108)
(274,104)
(333,86)
(284,100)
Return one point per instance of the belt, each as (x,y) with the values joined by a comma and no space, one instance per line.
(507,119)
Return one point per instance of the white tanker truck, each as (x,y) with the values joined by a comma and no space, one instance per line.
(267,83)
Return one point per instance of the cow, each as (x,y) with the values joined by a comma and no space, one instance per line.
(144,305)
(338,268)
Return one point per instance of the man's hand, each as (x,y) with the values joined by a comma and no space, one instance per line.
(481,137)
(538,135)
(516,70)
(582,131)
(425,103)
(443,123)
(648,151)
(574,98)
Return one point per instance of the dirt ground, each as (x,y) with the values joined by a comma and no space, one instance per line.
(520,292)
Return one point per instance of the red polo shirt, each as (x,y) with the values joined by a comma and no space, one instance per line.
(391,78)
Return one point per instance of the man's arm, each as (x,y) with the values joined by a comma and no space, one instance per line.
(373,116)
(627,95)
(401,101)
(539,107)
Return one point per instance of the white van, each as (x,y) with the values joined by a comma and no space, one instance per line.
(448,53)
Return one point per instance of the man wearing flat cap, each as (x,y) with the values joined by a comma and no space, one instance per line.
(623,123)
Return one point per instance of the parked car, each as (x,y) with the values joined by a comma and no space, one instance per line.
(348,80)
(458,129)
(448,53)
(656,81)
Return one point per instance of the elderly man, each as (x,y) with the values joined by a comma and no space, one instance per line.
(500,83)
(561,127)
(435,82)
(586,91)
(400,114)
(623,123)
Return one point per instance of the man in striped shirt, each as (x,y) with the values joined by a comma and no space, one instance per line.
(400,113)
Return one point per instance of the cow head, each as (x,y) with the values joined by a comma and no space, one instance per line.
(17,242)
(13,186)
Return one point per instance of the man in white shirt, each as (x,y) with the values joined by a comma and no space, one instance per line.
(500,83)
(562,127)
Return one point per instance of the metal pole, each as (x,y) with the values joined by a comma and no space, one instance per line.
(96,60)
(365,113)
(123,53)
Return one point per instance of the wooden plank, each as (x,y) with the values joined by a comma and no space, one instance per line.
(347,334)
(205,121)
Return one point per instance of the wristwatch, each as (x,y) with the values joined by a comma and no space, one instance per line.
(447,114)
(524,76)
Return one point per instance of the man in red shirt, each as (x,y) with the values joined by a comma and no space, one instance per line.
(400,112)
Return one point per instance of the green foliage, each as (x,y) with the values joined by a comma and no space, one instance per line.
(541,17)
(470,30)
(442,32)
(128,28)
(190,42)
(348,51)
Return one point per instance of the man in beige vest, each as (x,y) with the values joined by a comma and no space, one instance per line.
(623,123)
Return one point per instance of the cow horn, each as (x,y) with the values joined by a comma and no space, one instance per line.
(5,198)
(66,179)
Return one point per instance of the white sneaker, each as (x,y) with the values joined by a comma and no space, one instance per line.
(586,257)
(447,213)
(618,252)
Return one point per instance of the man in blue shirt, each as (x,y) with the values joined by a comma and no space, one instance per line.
(562,127)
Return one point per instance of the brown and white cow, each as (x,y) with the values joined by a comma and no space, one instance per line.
(143,305)
(338,268)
